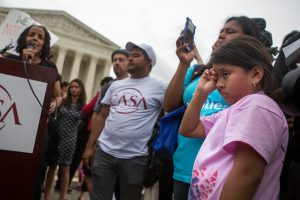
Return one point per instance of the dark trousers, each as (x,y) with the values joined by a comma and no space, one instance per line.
(290,175)
(166,181)
(42,168)
(181,190)
(130,173)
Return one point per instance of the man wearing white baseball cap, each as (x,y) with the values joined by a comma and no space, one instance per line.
(146,48)
(129,111)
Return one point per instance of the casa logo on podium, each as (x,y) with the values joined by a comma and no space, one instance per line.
(20,112)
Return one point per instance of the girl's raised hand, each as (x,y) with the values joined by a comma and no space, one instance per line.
(207,82)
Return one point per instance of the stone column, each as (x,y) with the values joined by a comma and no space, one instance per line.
(107,67)
(61,58)
(89,85)
(76,65)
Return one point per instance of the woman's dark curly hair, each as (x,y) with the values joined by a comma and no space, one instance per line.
(21,42)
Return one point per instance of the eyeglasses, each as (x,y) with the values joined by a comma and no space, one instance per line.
(119,59)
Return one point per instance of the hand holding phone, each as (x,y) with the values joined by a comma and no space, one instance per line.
(188,34)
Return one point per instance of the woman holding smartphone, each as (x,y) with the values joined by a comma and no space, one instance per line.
(181,89)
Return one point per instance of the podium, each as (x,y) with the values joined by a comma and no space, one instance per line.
(22,126)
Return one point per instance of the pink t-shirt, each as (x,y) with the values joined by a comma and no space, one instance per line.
(255,120)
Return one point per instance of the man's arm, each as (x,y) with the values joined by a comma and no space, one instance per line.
(98,123)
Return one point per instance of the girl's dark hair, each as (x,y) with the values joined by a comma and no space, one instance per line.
(21,42)
(246,52)
(82,97)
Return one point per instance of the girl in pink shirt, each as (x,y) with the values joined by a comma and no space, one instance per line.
(242,155)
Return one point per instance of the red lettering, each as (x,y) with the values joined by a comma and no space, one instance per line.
(11,29)
(123,98)
(142,101)
(1,101)
(133,99)
(13,107)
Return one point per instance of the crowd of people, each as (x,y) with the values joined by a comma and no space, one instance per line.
(232,139)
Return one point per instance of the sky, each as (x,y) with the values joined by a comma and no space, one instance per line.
(159,22)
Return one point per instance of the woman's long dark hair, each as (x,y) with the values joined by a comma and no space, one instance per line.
(21,42)
(82,97)
(249,27)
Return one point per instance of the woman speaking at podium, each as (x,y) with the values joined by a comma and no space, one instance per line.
(33,46)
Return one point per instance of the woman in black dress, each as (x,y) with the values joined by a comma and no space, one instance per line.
(69,119)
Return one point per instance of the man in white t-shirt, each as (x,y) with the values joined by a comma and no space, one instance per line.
(129,111)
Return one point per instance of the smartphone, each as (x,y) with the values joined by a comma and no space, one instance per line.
(188,34)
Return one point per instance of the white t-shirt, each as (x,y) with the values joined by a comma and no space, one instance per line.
(134,107)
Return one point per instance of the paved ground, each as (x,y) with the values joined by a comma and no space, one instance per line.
(72,195)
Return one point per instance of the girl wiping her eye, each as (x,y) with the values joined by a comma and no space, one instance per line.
(242,155)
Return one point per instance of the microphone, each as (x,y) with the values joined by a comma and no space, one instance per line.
(30,46)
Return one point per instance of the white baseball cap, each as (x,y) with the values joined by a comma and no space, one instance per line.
(146,48)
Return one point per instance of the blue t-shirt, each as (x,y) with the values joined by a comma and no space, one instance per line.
(188,148)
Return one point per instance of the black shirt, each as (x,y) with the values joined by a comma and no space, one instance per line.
(45,63)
